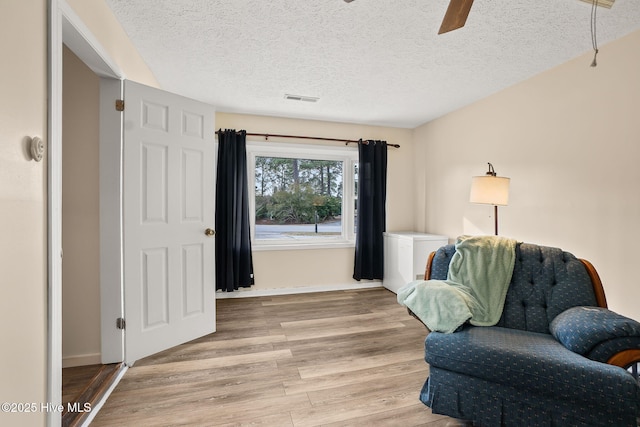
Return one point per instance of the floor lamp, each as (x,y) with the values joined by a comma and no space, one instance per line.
(490,190)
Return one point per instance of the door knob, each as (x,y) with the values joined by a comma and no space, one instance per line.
(209,232)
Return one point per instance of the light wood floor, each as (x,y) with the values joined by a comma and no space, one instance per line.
(347,358)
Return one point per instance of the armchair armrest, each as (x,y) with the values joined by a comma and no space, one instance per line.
(599,334)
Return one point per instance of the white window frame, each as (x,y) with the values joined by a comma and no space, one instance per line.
(349,157)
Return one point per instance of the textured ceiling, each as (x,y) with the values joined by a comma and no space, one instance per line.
(371,61)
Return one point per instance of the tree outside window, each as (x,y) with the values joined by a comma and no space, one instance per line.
(297,197)
(303,196)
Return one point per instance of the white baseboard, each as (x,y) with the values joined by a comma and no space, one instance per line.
(247,292)
(82,360)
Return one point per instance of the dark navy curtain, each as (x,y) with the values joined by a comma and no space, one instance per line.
(371,215)
(234,263)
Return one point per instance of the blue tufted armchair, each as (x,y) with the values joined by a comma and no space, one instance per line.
(557,357)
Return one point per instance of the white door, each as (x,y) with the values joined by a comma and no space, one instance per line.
(168,206)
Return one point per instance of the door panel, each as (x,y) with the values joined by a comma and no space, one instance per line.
(154,191)
(168,203)
(193,281)
(192,187)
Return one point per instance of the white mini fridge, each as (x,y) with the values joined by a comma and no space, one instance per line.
(405,256)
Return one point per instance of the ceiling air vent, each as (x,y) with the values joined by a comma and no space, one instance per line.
(301,98)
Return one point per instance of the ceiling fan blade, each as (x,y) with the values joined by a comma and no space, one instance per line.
(456,15)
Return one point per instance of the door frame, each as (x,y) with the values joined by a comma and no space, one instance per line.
(64,27)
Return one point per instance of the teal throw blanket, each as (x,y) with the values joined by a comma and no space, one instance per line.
(475,290)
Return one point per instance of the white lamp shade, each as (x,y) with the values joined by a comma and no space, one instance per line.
(490,190)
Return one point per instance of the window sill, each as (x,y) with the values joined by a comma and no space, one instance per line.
(288,246)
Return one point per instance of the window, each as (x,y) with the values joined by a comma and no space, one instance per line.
(301,196)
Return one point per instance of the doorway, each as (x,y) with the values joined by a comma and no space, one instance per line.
(66,29)
(83,375)
(80,214)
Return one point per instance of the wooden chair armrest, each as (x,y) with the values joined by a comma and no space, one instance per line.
(625,358)
(427,270)
(628,359)
(596,282)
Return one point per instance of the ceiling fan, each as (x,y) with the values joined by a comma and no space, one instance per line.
(458,10)
(455,17)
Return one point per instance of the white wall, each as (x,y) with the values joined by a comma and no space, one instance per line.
(23,273)
(321,267)
(569,140)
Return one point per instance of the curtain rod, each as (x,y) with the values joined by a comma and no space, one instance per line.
(346,141)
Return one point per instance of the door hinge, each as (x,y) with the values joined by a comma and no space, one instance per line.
(119,104)
(120,323)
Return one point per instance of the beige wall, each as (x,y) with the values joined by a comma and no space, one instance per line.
(569,139)
(23,112)
(97,16)
(80,214)
(317,267)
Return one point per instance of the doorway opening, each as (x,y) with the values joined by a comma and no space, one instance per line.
(70,41)
(84,378)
